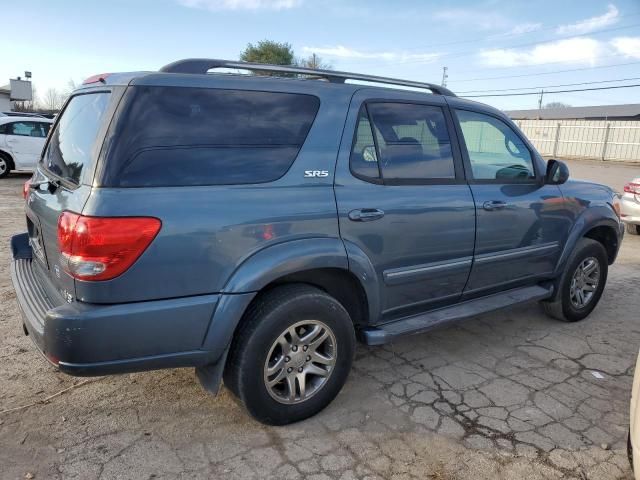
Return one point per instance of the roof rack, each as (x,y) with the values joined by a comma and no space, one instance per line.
(203,65)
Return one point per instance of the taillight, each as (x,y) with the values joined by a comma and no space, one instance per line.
(25,189)
(101,248)
(632,187)
(100,77)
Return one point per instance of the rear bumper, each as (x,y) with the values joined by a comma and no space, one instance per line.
(630,210)
(89,339)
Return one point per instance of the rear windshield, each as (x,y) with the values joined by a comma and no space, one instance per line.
(175,136)
(71,148)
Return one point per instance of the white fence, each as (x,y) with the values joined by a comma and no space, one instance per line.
(594,139)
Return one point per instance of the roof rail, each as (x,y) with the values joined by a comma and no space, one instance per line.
(203,65)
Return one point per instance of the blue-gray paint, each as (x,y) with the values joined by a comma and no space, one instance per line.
(435,255)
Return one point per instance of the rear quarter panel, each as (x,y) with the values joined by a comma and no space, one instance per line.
(208,232)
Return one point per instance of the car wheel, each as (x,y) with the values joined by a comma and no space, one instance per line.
(633,229)
(581,284)
(5,165)
(291,355)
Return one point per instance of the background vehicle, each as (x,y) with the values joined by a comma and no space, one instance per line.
(253,227)
(21,142)
(630,206)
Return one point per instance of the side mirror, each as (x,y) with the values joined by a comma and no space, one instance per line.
(557,172)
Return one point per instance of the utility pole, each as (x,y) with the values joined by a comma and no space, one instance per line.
(540,100)
(444,76)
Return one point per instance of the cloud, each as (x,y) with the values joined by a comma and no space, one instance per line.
(524,28)
(627,46)
(570,51)
(241,4)
(340,51)
(590,24)
(482,19)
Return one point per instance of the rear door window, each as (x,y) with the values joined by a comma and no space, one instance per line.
(412,143)
(70,150)
(174,136)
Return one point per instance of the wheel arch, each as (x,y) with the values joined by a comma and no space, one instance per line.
(12,163)
(320,262)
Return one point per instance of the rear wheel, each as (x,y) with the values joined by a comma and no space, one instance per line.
(291,355)
(633,229)
(5,165)
(581,284)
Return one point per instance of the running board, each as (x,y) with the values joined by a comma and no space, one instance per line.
(426,321)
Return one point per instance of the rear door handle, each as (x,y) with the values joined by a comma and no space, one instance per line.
(365,214)
(494,205)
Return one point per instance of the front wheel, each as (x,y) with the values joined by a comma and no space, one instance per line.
(582,282)
(291,355)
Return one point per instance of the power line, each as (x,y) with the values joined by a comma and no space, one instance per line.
(503,35)
(546,73)
(551,86)
(555,91)
(528,44)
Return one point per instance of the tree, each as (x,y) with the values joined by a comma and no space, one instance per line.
(315,62)
(557,105)
(268,51)
(52,100)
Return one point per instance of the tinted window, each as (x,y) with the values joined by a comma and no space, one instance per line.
(3,129)
(70,149)
(413,142)
(364,160)
(496,152)
(172,136)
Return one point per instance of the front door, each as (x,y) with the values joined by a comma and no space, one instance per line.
(520,228)
(403,202)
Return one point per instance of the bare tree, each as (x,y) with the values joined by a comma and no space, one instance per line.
(315,62)
(52,100)
(557,105)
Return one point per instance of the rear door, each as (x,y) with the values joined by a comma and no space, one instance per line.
(402,199)
(520,225)
(63,179)
(25,139)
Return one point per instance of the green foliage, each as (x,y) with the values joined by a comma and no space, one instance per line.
(268,51)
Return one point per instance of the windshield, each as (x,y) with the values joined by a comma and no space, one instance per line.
(71,148)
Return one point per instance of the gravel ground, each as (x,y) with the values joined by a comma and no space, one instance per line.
(502,396)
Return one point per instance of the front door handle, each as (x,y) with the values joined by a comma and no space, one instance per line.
(365,214)
(494,205)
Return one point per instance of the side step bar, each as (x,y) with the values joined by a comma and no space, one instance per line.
(426,321)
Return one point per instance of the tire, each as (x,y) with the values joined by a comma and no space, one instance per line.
(6,165)
(567,307)
(633,229)
(256,357)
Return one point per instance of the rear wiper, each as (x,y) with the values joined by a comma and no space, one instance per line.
(52,185)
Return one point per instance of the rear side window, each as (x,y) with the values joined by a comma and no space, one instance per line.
(411,143)
(71,148)
(173,136)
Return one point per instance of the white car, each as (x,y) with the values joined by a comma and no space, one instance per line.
(21,142)
(630,206)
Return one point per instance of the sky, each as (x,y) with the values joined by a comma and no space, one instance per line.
(496,45)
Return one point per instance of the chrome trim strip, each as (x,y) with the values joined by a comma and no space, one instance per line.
(515,252)
(397,275)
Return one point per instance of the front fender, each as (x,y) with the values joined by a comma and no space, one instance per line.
(596,216)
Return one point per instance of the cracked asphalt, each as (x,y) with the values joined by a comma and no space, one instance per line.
(502,396)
